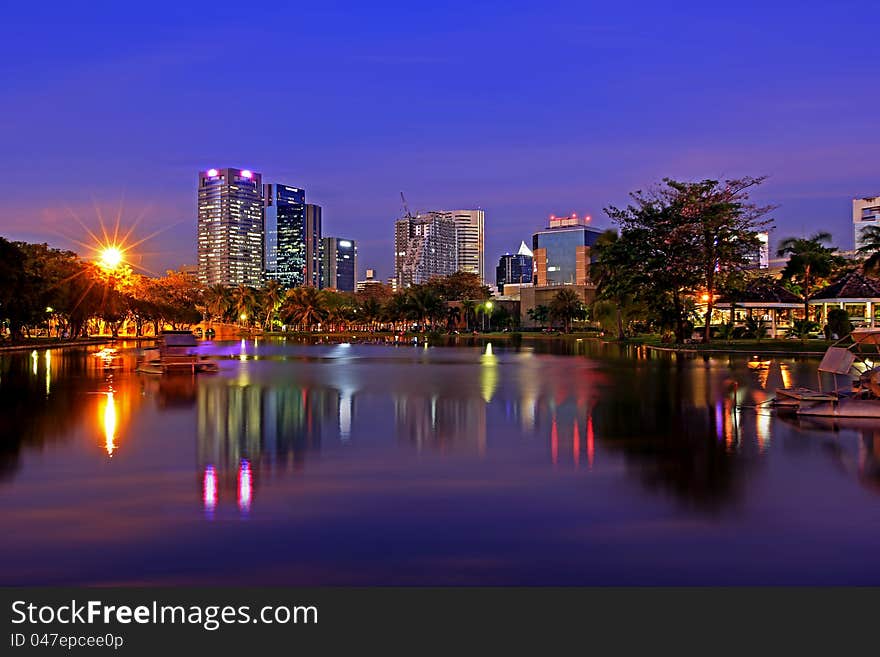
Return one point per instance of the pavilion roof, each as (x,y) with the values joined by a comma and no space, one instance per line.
(762,290)
(852,285)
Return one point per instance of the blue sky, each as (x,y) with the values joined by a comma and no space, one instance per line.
(523,109)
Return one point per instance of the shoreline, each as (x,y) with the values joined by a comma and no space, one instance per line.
(52,343)
(745,349)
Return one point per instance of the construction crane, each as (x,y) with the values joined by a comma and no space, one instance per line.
(409,214)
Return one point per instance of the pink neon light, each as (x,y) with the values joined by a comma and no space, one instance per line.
(247,173)
(209,489)
(245,486)
(212,173)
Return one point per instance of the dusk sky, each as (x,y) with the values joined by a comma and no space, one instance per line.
(523,109)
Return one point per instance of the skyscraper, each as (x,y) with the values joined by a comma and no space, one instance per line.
(470,241)
(424,246)
(297,245)
(230,227)
(285,250)
(562,251)
(514,268)
(340,263)
(313,245)
(866,212)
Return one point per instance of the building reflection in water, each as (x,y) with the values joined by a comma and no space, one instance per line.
(248,431)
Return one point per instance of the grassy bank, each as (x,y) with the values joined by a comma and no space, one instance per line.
(748,346)
(54,343)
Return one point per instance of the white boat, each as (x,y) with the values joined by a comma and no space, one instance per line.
(175,354)
(856,362)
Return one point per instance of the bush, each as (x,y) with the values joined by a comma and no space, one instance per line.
(802,328)
(756,328)
(838,324)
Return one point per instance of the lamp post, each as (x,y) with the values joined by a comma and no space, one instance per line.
(488,311)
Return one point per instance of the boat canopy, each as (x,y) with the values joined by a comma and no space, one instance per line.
(837,360)
(179,339)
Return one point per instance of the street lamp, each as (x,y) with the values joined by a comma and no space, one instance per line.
(111,257)
(489,305)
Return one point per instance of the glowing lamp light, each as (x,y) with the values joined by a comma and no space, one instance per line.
(209,489)
(213,173)
(247,173)
(109,421)
(245,486)
(111,257)
(705,297)
(243,316)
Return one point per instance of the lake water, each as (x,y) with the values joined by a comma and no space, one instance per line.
(372,464)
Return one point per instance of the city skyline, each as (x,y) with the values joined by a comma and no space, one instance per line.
(572,125)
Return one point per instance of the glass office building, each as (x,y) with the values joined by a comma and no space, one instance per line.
(296,251)
(562,252)
(340,264)
(230,227)
(284,215)
(514,268)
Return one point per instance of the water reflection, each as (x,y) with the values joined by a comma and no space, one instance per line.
(536,451)
(109,419)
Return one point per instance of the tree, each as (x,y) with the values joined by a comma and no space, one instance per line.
(217,302)
(684,235)
(809,263)
(304,307)
(839,324)
(244,300)
(271,297)
(566,306)
(612,270)
(871,247)
(539,314)
(458,286)
(424,304)
(468,309)
(453,317)
(663,265)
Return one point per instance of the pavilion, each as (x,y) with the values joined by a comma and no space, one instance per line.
(856,293)
(767,300)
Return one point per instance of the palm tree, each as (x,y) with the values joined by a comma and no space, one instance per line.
(371,311)
(425,305)
(304,306)
(870,247)
(467,307)
(453,317)
(539,314)
(244,300)
(808,263)
(217,302)
(567,305)
(611,273)
(271,296)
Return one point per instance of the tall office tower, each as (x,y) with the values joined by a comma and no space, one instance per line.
(424,246)
(760,258)
(562,251)
(230,227)
(340,263)
(313,275)
(285,250)
(866,212)
(470,239)
(514,268)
